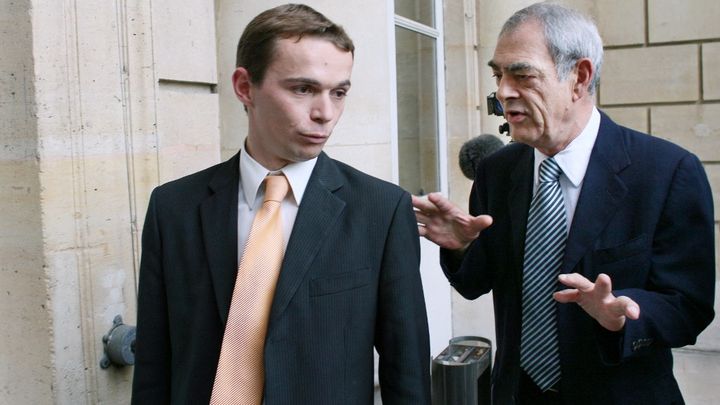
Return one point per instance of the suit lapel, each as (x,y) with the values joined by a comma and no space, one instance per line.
(519,203)
(601,193)
(317,214)
(218,216)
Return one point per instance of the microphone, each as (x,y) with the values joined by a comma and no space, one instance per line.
(475,150)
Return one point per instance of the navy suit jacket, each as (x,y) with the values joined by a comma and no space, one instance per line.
(349,282)
(645,218)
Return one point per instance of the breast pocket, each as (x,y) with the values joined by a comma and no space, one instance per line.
(627,264)
(339,283)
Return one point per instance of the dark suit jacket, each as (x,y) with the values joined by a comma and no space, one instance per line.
(349,281)
(645,218)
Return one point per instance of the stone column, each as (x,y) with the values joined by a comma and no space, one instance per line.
(25,336)
(101,102)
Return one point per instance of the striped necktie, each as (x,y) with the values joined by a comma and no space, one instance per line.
(240,375)
(544,251)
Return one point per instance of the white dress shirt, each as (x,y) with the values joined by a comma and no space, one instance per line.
(250,194)
(573,160)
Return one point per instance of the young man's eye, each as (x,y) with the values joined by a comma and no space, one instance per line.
(302,89)
(340,93)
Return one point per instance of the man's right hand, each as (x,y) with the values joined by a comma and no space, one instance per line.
(443,223)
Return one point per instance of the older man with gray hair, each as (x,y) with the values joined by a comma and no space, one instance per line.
(596,240)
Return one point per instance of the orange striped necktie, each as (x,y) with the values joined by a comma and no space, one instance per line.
(240,375)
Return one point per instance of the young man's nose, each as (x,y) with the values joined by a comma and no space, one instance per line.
(323,109)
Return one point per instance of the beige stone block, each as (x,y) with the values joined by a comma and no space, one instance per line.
(363,122)
(84,112)
(25,352)
(709,339)
(17,137)
(105,207)
(711,73)
(368,113)
(462,89)
(694,127)
(491,125)
(486,79)
(374,160)
(59,209)
(631,117)
(141,94)
(713,173)
(188,131)
(24,349)
(65,291)
(459,185)
(621,22)
(650,75)
(20,202)
(459,189)
(696,373)
(185,40)
(87,223)
(672,20)
(492,14)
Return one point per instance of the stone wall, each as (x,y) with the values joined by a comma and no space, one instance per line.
(101,102)
(661,76)
(25,334)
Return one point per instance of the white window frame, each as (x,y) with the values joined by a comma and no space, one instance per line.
(437,34)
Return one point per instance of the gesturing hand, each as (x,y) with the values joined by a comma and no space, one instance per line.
(442,222)
(597,300)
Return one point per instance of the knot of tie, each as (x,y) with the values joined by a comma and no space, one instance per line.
(549,171)
(276,187)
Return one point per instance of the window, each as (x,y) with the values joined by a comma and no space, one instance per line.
(420,90)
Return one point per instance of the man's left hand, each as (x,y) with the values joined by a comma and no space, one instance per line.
(597,300)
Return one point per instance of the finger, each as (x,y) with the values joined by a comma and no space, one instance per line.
(567,296)
(422,204)
(440,202)
(420,217)
(481,222)
(422,231)
(575,280)
(603,285)
(625,306)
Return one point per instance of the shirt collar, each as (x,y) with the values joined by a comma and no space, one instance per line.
(574,159)
(253,173)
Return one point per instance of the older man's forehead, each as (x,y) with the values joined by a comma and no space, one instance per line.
(512,66)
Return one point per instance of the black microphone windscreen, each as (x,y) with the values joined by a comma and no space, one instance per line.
(475,150)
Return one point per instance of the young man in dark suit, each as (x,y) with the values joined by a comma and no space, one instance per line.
(634,252)
(349,280)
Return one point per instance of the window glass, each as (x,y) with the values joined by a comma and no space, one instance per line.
(416,10)
(417,111)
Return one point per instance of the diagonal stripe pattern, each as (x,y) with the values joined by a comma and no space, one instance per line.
(544,251)
(240,375)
